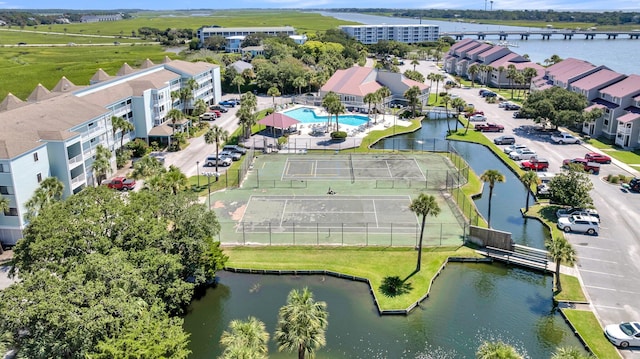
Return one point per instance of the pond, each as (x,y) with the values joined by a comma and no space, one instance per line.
(469,303)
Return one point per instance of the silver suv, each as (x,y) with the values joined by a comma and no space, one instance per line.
(211,161)
(579,223)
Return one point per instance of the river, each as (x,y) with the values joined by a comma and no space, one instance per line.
(620,51)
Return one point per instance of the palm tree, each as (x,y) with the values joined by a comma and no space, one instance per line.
(511,75)
(119,123)
(238,81)
(245,339)
(446,99)
(175,180)
(116,124)
(497,350)
(368,99)
(458,103)
(328,102)
(473,71)
(174,115)
(529,178)
(273,92)
(49,191)
(560,250)
(570,353)
(414,62)
(383,92)
(199,107)
(437,78)
(4,204)
(246,119)
(529,73)
(101,163)
(491,176)
(412,97)
(146,167)
(500,71)
(425,205)
(336,109)
(216,135)
(301,324)
(300,82)
(188,93)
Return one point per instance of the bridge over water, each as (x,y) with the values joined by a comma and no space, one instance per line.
(544,34)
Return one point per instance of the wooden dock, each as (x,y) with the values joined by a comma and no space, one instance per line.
(522,256)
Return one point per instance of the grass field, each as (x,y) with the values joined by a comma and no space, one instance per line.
(21,69)
(303,22)
(15,36)
(587,325)
(372,263)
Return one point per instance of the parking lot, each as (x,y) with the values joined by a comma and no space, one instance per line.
(607,263)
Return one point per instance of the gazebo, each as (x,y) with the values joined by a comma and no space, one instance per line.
(278,121)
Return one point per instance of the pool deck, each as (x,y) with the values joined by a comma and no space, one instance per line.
(314,136)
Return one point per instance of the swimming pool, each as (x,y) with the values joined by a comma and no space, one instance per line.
(307,115)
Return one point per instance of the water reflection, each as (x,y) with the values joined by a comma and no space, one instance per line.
(470,303)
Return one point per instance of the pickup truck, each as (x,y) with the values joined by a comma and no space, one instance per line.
(590,167)
(563,138)
(120,183)
(535,164)
(489,127)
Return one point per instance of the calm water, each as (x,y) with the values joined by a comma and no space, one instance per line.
(620,51)
(508,196)
(469,303)
(307,115)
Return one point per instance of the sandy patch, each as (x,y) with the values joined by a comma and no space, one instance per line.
(238,213)
(218,204)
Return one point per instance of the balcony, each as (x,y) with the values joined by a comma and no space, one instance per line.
(76,159)
(623,130)
(78,180)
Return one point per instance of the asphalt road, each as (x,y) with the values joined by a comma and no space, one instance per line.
(608,264)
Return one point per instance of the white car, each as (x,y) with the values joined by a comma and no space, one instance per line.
(503,104)
(566,212)
(477,118)
(575,223)
(514,147)
(623,334)
(523,154)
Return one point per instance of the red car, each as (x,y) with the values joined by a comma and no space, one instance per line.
(535,164)
(469,114)
(489,127)
(596,157)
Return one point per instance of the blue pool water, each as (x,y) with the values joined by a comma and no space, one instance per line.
(306,115)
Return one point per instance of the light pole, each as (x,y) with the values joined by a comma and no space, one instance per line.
(209,174)
(198,172)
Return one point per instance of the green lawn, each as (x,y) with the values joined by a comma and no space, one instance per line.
(589,328)
(372,263)
(571,290)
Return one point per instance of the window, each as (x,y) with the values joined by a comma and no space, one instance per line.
(4,190)
(12,212)
(2,168)
(39,177)
(35,156)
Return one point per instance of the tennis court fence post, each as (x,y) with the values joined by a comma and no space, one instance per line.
(269,232)
(244,241)
(366,233)
(391,234)
(342,233)
(317,233)
(293,226)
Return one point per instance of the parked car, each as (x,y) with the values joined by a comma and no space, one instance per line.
(477,118)
(235,156)
(221,161)
(503,104)
(518,114)
(596,157)
(563,138)
(489,127)
(158,156)
(587,166)
(481,92)
(535,164)
(577,223)
(513,147)
(523,154)
(469,114)
(209,116)
(227,103)
(120,183)
(634,185)
(504,140)
(235,148)
(543,188)
(219,108)
(567,212)
(490,94)
(624,334)
(511,107)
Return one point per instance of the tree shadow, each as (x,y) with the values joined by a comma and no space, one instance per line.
(394,286)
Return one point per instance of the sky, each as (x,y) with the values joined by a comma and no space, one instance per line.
(578,5)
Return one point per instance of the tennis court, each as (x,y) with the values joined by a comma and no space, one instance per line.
(352,168)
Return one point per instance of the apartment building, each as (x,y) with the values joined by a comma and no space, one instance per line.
(55,133)
(207,31)
(410,34)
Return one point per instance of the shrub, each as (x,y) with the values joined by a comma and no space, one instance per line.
(122,157)
(614,179)
(138,147)
(623,178)
(338,135)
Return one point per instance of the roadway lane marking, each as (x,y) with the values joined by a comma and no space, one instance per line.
(595,259)
(598,248)
(607,307)
(603,273)
(611,289)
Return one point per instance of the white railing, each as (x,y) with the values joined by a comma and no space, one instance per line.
(624,130)
(75,159)
(77,180)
